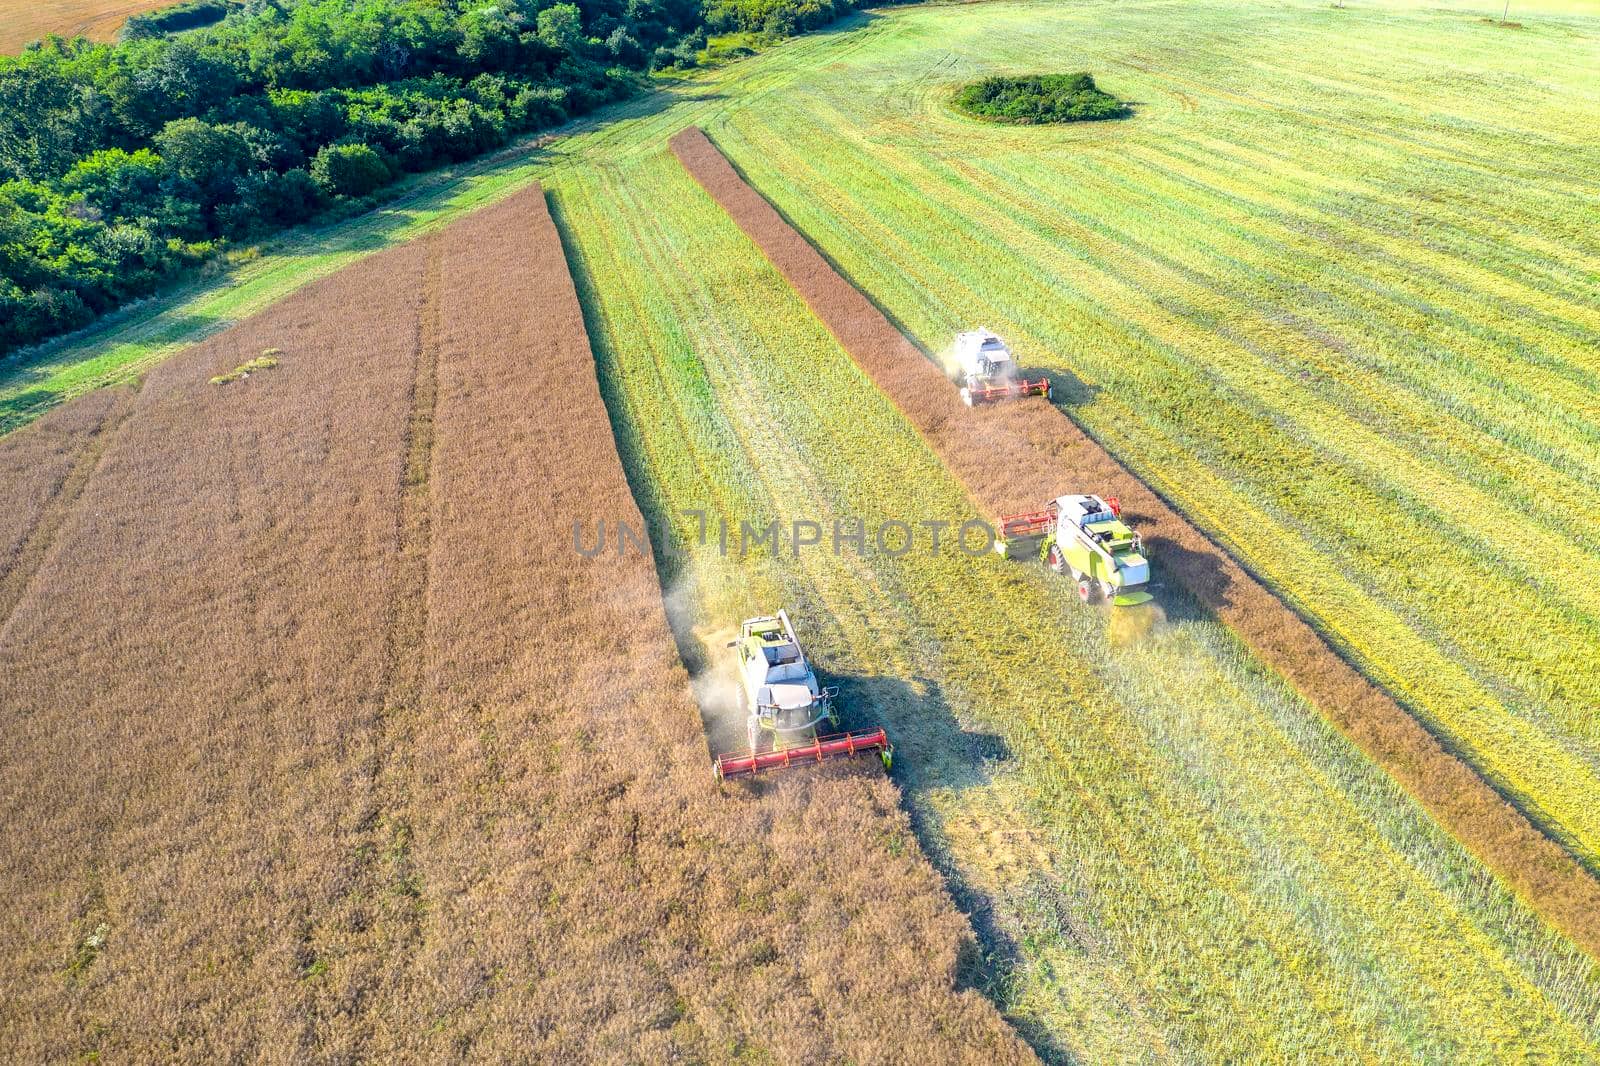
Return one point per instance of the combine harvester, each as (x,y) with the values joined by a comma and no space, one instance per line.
(1085,536)
(779,691)
(988,373)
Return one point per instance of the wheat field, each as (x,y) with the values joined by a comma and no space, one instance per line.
(323,743)
(1329,292)
(22,21)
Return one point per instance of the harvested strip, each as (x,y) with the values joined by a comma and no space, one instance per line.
(564,834)
(44,470)
(1012,457)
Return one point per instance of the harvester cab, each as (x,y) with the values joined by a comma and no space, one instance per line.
(785,704)
(1084,536)
(988,373)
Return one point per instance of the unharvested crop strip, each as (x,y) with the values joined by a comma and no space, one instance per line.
(386,868)
(1012,456)
(190,687)
(65,474)
(566,835)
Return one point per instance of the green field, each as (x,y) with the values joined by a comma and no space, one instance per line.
(1169,851)
(1330,290)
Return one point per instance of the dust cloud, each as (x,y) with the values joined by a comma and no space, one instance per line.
(703,646)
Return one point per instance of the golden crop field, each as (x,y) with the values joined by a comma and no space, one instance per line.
(22,21)
(323,743)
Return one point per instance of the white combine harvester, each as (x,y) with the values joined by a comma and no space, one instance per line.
(988,373)
(785,704)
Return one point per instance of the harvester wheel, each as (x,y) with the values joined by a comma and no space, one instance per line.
(754,732)
(1085,590)
(1055,559)
(966,396)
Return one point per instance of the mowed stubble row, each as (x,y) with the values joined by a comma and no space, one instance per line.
(324,742)
(1013,456)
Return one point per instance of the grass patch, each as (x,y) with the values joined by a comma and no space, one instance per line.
(1040,98)
(88,950)
(265,361)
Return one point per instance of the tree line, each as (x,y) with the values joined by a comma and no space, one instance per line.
(122,166)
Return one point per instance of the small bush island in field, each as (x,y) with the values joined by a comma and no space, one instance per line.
(1041,98)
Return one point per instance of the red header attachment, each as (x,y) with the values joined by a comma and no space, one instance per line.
(839,745)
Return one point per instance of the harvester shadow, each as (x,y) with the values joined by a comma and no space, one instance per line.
(935,751)
(932,748)
(1205,581)
(1066,388)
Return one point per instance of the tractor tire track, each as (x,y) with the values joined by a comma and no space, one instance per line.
(409,618)
(386,890)
(38,536)
(1009,459)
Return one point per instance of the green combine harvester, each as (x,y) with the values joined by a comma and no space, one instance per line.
(1085,536)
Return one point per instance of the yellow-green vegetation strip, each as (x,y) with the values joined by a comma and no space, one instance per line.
(1169,854)
(265,361)
(1355,345)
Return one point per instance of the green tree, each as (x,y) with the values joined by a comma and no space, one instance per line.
(349,169)
(209,158)
(561,27)
(118,183)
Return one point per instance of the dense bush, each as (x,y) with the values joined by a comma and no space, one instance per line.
(349,169)
(175,19)
(122,165)
(775,18)
(1041,98)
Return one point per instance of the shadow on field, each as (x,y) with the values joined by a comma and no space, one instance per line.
(932,748)
(849,24)
(1204,575)
(1066,388)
